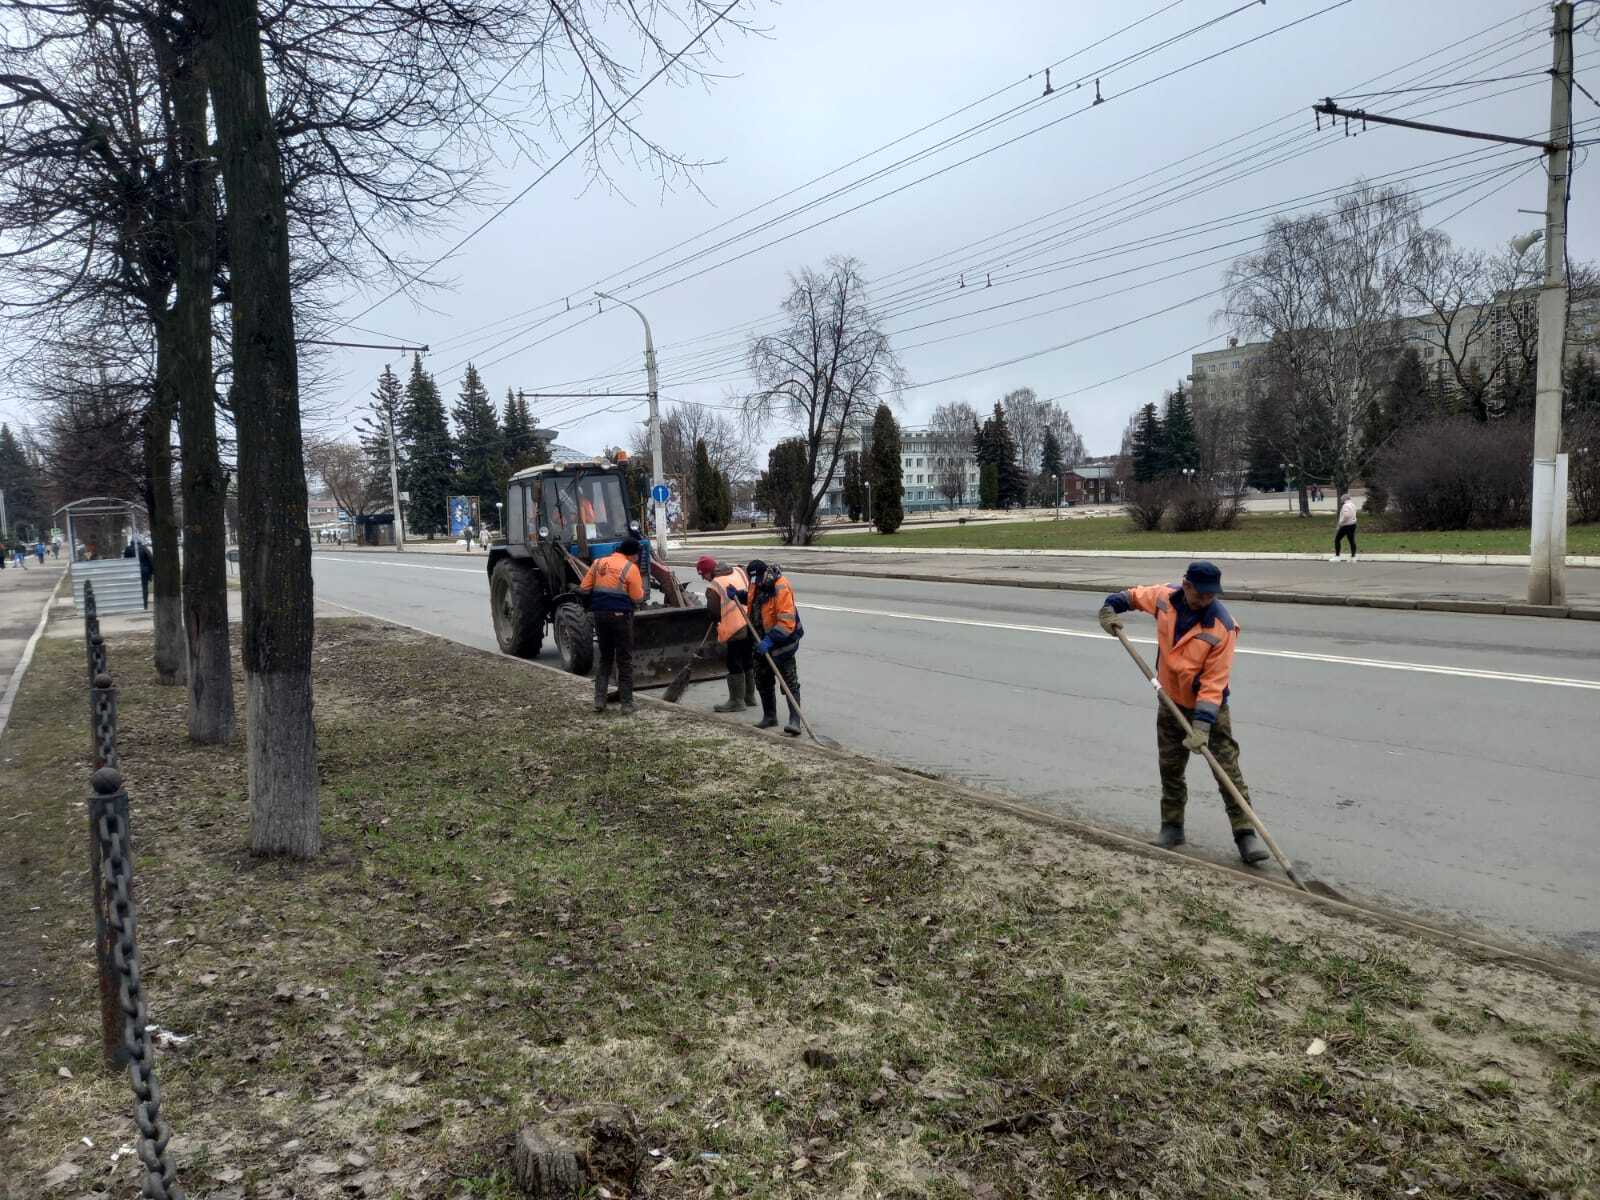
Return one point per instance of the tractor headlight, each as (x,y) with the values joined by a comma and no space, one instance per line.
(544,532)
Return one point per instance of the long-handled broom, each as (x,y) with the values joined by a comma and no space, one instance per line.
(1216,769)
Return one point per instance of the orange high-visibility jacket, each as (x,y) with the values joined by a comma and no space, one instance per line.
(1194,669)
(776,616)
(615,583)
(730,624)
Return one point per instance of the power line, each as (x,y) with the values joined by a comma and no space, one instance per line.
(614,112)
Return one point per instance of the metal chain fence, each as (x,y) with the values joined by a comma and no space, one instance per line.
(124,1014)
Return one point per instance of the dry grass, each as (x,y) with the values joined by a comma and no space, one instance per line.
(762,972)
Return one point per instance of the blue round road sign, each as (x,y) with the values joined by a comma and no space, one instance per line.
(660,493)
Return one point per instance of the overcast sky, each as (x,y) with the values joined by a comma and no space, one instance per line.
(834,80)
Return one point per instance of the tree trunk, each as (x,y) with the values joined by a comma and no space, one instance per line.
(1305,498)
(275,542)
(205,571)
(165,591)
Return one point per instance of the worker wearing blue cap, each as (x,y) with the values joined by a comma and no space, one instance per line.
(1195,640)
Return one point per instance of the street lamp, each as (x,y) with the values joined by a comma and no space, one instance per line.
(656,479)
(1057,479)
(869,500)
(500,517)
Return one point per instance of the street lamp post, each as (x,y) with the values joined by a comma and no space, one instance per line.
(656,471)
(1057,479)
(868,482)
(500,517)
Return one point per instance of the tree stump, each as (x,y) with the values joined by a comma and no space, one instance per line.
(545,1166)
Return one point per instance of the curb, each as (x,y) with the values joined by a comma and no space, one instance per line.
(1483,947)
(1480,607)
(1574,561)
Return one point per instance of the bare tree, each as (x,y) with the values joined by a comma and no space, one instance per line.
(1456,290)
(953,426)
(1059,422)
(822,375)
(1326,292)
(344,469)
(682,426)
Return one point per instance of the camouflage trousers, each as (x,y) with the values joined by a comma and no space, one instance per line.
(1174,758)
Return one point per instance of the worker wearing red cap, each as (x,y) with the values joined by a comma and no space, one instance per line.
(729,597)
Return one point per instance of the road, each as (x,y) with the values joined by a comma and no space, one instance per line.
(1444,764)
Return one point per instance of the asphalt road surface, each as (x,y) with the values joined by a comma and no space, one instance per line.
(1443,764)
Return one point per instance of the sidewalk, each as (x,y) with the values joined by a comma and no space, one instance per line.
(1435,586)
(23,594)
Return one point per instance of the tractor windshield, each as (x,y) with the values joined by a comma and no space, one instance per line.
(595,500)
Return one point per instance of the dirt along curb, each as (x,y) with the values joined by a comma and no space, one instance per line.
(1483,946)
(1492,607)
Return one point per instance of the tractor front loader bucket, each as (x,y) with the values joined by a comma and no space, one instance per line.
(665,639)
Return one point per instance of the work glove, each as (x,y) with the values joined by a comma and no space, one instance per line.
(1199,736)
(764,646)
(734,593)
(1110,619)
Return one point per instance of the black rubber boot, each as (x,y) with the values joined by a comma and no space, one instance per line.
(1171,835)
(1250,850)
(735,700)
(793,728)
(600,693)
(749,689)
(769,718)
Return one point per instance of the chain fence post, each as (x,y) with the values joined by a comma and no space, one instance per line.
(115,844)
(103,722)
(93,644)
(107,791)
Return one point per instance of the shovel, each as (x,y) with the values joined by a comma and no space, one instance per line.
(1216,769)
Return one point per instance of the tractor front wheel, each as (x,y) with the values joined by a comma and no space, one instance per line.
(516,602)
(575,638)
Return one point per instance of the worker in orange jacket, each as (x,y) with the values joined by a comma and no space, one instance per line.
(727,597)
(613,586)
(776,621)
(1195,640)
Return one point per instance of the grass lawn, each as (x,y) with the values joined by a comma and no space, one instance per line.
(1267,532)
(723,967)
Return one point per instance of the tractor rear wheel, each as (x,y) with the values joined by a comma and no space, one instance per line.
(517,603)
(575,638)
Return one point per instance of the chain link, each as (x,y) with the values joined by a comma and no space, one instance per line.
(160,1182)
(103,720)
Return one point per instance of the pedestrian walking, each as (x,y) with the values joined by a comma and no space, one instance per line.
(55,548)
(468,533)
(1346,527)
(728,597)
(1195,640)
(147,571)
(776,620)
(19,556)
(613,587)
(38,550)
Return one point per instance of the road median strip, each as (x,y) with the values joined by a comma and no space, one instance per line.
(728,962)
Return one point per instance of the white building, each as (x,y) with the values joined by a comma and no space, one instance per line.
(923,465)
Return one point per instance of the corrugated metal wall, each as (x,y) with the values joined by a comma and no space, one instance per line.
(116,584)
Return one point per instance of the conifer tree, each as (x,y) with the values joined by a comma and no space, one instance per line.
(884,472)
(480,446)
(428,458)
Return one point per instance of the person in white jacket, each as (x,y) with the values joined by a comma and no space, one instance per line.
(1347,527)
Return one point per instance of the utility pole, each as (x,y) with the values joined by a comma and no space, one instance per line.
(1547,540)
(1547,549)
(394,488)
(656,472)
(4,527)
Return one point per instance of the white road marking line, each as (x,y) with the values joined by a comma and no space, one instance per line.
(1380,664)
(1302,655)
